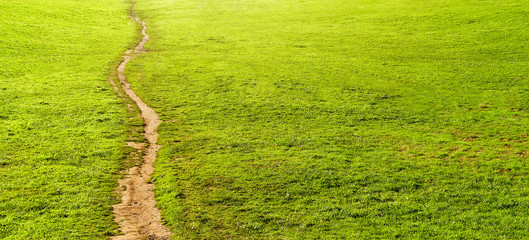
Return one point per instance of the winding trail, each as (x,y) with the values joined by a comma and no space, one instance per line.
(137,214)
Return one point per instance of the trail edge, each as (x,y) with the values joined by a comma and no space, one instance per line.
(137,215)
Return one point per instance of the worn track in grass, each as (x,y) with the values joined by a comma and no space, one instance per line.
(137,214)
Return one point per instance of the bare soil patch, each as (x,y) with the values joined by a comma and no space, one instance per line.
(137,214)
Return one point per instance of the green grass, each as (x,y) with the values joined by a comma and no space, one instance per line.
(62,127)
(339,119)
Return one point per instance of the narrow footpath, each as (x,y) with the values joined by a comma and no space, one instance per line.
(137,215)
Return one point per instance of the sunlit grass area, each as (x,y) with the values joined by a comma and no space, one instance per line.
(62,126)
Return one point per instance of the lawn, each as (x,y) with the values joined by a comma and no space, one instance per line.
(336,119)
(62,127)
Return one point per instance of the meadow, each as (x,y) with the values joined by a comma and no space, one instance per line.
(337,119)
(62,127)
(305,119)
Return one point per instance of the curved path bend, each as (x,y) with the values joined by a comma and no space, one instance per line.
(137,215)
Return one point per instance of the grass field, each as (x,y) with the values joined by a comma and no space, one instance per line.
(303,119)
(62,126)
(339,119)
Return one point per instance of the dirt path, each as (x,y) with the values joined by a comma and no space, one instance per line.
(137,214)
